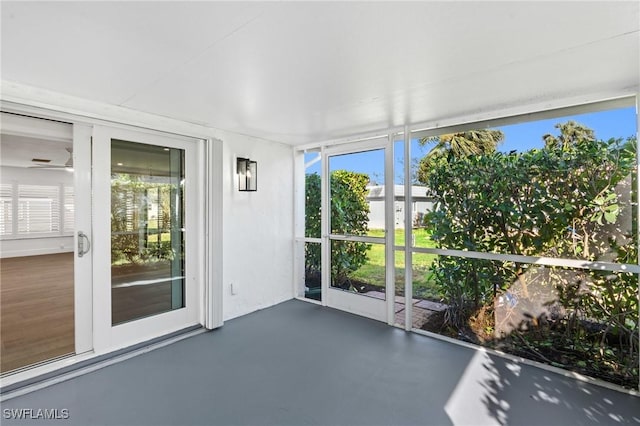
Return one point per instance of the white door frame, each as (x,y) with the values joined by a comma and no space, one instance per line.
(106,336)
(79,135)
(84,115)
(381,310)
(83,232)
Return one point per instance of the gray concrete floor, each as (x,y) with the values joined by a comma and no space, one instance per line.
(302,364)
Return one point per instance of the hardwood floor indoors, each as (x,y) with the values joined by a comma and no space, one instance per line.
(37,309)
(135,302)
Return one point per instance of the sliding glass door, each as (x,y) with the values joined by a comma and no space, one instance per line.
(45,224)
(147,208)
(102,239)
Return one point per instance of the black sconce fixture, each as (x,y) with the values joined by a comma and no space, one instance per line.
(247,174)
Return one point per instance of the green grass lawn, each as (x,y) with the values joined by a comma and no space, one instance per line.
(373,272)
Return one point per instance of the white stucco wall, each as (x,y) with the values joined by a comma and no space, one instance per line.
(258,227)
(257,235)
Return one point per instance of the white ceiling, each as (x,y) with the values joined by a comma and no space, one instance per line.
(19,151)
(300,72)
(23,139)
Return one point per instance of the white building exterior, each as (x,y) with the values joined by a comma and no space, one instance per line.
(420,205)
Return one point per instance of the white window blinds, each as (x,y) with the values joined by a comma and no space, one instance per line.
(38,209)
(6,209)
(28,210)
(68,210)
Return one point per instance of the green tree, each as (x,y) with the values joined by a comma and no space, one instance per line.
(451,146)
(571,133)
(461,144)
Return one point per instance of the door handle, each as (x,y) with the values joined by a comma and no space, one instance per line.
(81,239)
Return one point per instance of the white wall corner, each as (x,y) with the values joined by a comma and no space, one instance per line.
(258,227)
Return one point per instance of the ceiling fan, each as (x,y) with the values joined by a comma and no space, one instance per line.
(43,163)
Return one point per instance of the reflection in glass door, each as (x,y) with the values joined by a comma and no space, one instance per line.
(147,230)
(148,212)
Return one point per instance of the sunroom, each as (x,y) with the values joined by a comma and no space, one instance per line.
(381,196)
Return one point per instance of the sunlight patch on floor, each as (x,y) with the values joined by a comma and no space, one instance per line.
(467,402)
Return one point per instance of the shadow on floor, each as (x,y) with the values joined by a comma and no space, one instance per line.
(302,364)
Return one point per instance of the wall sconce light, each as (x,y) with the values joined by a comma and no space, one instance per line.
(247,174)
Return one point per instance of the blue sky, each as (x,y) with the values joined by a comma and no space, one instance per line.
(618,123)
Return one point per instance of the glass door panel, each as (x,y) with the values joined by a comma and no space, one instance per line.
(147,230)
(147,268)
(42,271)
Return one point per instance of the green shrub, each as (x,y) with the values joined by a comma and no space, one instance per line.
(349,215)
(560,201)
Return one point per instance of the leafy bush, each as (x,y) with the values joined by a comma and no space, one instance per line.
(544,202)
(564,201)
(130,225)
(349,215)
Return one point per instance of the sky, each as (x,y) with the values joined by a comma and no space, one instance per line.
(617,123)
